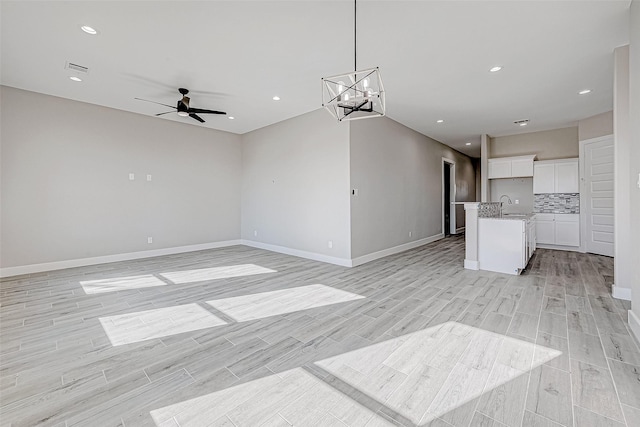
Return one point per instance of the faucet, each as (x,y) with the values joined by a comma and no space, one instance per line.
(508,202)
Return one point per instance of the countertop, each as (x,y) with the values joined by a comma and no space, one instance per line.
(513,217)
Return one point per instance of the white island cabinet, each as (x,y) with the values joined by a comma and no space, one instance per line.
(506,244)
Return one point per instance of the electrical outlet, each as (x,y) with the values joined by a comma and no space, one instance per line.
(517,202)
(410,234)
(255,233)
(330,244)
(149,239)
(131,177)
(148,177)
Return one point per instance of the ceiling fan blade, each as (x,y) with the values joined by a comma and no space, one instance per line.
(154,102)
(201,111)
(160,114)
(197,117)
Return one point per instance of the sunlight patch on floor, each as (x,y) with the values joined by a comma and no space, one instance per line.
(120,284)
(116,284)
(265,304)
(296,396)
(451,364)
(213,273)
(161,322)
(416,377)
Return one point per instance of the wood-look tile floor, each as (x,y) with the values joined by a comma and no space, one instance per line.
(244,337)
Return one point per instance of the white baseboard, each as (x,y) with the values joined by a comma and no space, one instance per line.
(394,250)
(460,230)
(82,262)
(560,248)
(634,324)
(345,262)
(621,293)
(471,265)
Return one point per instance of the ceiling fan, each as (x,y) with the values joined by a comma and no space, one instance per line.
(183,109)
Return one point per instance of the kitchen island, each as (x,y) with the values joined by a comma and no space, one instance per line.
(496,242)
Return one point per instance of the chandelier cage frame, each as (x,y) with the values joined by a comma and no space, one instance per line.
(362,96)
(355,95)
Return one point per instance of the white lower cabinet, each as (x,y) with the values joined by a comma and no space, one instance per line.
(558,229)
(568,230)
(545,229)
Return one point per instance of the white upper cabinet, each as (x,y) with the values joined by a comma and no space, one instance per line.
(567,177)
(511,167)
(544,177)
(499,168)
(522,167)
(556,176)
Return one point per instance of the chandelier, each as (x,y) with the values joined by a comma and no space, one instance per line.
(355,95)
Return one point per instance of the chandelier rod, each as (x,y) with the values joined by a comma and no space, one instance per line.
(355,36)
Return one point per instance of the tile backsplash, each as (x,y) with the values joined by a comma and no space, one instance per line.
(488,210)
(568,203)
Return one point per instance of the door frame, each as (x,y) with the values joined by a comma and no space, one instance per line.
(583,190)
(452,195)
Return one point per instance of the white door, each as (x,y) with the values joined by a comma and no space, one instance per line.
(598,194)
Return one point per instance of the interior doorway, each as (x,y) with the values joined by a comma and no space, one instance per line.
(448,197)
(596,202)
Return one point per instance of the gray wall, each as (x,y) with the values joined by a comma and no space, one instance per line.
(398,174)
(295,185)
(65,191)
(516,188)
(595,126)
(634,113)
(623,241)
(547,145)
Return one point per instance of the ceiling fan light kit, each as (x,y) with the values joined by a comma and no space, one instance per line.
(354,95)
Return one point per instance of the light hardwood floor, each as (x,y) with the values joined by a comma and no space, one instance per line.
(245,337)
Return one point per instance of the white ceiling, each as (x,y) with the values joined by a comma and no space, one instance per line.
(235,56)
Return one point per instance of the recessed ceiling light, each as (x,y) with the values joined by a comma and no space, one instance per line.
(523,124)
(276,98)
(89,30)
(468,143)
(75,79)
(439,121)
(584,92)
(231,118)
(496,68)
